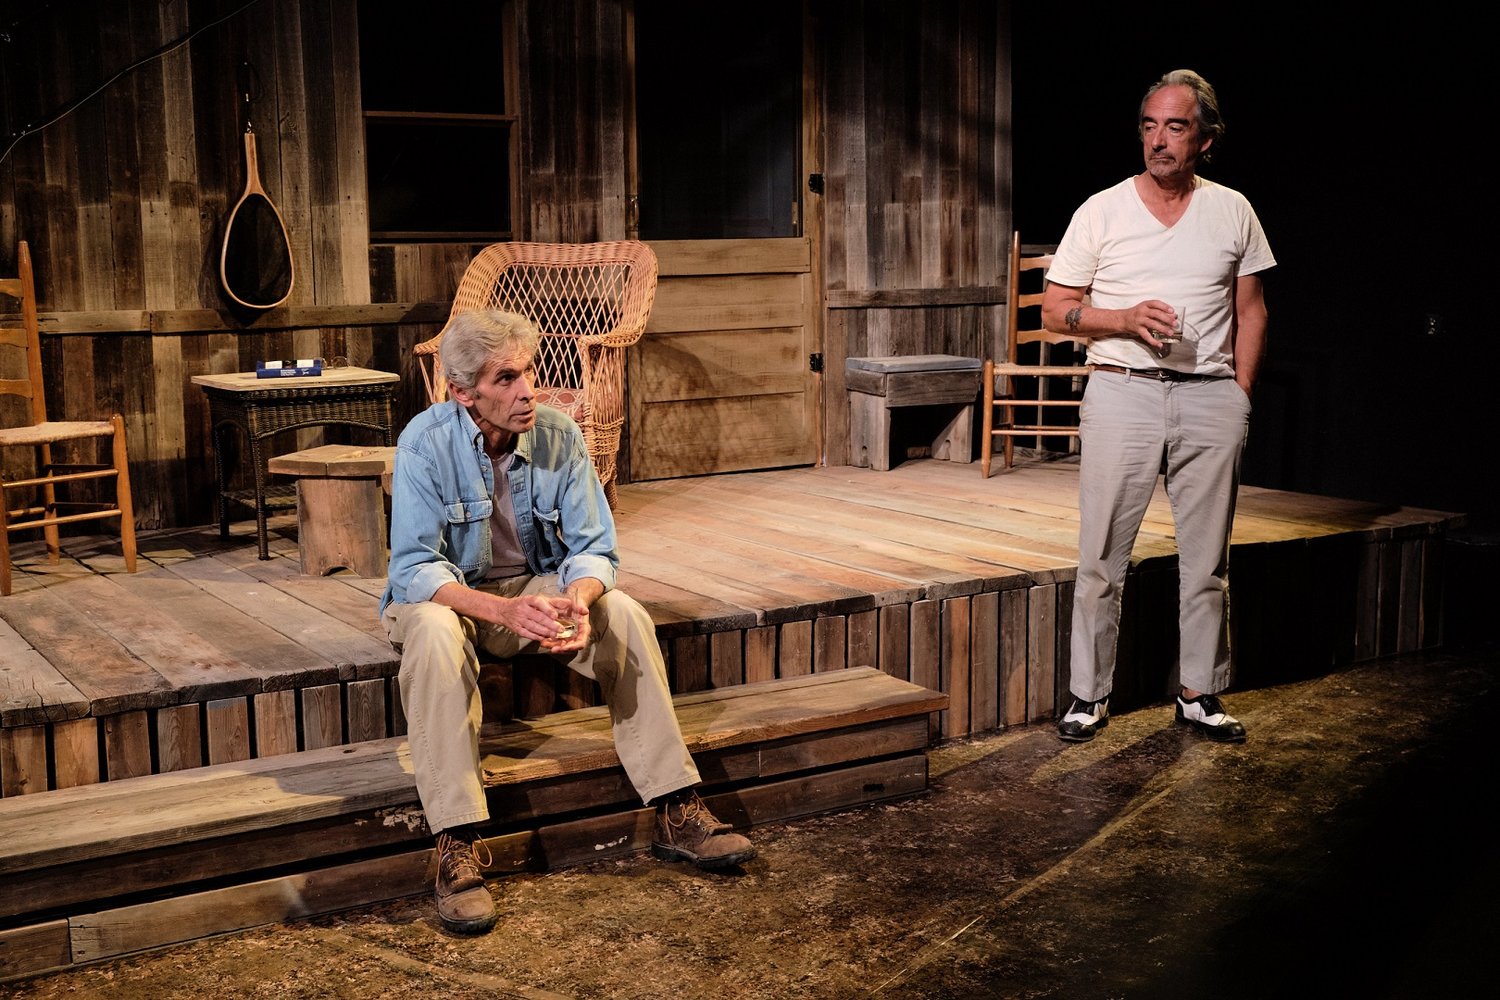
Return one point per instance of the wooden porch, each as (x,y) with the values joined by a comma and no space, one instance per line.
(255,711)
(928,572)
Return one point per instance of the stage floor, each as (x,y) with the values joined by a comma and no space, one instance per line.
(928,571)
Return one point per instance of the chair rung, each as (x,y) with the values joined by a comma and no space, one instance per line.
(1035,432)
(1038,402)
(1060,371)
(104,472)
(44,522)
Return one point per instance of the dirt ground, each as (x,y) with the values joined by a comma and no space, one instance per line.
(1341,849)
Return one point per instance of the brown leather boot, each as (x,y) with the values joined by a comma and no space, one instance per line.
(464,903)
(686,830)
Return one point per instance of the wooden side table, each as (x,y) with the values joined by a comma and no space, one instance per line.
(879,385)
(261,407)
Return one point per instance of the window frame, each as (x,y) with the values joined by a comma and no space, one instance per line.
(509,120)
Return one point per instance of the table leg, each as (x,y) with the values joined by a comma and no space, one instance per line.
(221,476)
(259,468)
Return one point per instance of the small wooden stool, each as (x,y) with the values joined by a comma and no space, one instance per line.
(341,493)
(879,385)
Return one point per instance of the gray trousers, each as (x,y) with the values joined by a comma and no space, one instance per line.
(440,696)
(1130,427)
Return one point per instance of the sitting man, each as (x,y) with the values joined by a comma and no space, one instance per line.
(495,496)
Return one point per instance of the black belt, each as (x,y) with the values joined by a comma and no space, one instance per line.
(1160,374)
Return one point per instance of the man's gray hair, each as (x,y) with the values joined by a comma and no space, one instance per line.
(1210,122)
(471,339)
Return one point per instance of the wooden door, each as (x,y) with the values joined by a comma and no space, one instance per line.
(723,380)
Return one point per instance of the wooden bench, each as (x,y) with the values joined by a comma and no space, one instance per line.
(102,870)
(920,384)
(341,509)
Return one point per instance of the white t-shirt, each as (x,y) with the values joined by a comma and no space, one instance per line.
(1116,248)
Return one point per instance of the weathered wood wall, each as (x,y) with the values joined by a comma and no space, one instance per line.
(573,99)
(918,202)
(124,200)
(124,203)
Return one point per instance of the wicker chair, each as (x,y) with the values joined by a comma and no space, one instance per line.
(590,301)
(35,433)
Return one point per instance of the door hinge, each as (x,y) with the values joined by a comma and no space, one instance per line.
(815,362)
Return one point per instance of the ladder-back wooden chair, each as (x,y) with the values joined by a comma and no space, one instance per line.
(1044,389)
(590,301)
(26,426)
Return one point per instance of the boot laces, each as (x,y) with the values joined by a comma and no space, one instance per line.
(460,858)
(693,810)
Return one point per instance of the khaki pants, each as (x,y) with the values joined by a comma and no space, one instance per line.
(440,695)
(1131,427)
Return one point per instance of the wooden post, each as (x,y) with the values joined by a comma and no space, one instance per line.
(727,658)
(957,665)
(760,654)
(275,723)
(689,663)
(830,644)
(795,655)
(179,738)
(895,640)
(75,752)
(322,717)
(984,662)
(1013,637)
(1041,645)
(228,730)
(23,760)
(366,709)
(127,745)
(864,638)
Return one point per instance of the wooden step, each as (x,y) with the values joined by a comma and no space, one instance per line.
(106,869)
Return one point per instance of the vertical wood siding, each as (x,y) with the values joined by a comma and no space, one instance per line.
(573,119)
(918,165)
(918,199)
(124,201)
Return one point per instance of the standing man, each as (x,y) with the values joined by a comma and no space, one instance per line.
(495,496)
(1163,273)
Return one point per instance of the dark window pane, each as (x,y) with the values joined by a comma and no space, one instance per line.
(718,157)
(434,56)
(438,178)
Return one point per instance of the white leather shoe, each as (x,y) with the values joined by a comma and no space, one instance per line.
(1205,714)
(1084,720)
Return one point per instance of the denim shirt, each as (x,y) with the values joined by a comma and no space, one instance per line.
(442,496)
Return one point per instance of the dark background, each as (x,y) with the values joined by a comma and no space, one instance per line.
(1361,143)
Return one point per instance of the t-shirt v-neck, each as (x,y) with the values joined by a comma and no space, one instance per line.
(1145,207)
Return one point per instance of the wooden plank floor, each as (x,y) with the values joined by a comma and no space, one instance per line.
(957,583)
(120,866)
(563,765)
